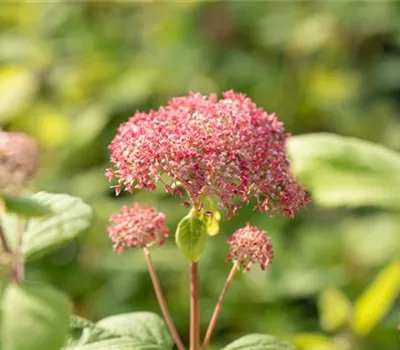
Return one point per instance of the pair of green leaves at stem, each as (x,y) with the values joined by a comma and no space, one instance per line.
(193,230)
(147,331)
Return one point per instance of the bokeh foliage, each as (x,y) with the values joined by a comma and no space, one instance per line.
(71,72)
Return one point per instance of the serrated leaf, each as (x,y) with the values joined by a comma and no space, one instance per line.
(191,236)
(138,330)
(34,317)
(345,171)
(80,322)
(83,331)
(259,342)
(70,216)
(25,206)
(377,299)
(334,309)
(143,327)
(117,344)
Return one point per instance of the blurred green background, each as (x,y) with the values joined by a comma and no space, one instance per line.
(70,73)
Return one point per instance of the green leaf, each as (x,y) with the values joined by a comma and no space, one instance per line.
(26,206)
(83,331)
(191,236)
(17,86)
(117,344)
(88,124)
(346,171)
(70,217)
(34,317)
(371,240)
(377,299)
(143,327)
(138,330)
(79,322)
(259,342)
(334,309)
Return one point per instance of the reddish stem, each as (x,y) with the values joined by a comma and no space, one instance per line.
(4,242)
(161,300)
(194,307)
(218,307)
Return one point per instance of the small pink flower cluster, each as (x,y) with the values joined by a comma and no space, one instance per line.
(137,226)
(221,149)
(249,246)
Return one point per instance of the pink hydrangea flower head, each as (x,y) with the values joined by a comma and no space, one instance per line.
(223,149)
(250,246)
(137,226)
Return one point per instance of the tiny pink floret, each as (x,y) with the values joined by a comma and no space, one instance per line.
(224,149)
(137,226)
(250,246)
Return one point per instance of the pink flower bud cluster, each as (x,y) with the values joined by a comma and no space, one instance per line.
(250,246)
(217,148)
(137,226)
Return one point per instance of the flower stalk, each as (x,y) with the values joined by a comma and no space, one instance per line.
(218,307)
(161,300)
(194,307)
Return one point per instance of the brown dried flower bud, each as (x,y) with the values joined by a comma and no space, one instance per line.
(19,156)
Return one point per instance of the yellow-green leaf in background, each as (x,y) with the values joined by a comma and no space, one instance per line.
(334,309)
(89,124)
(312,33)
(328,86)
(377,299)
(345,171)
(212,223)
(52,127)
(17,86)
(313,341)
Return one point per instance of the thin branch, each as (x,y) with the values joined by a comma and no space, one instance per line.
(218,307)
(3,237)
(19,267)
(4,241)
(161,300)
(194,307)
